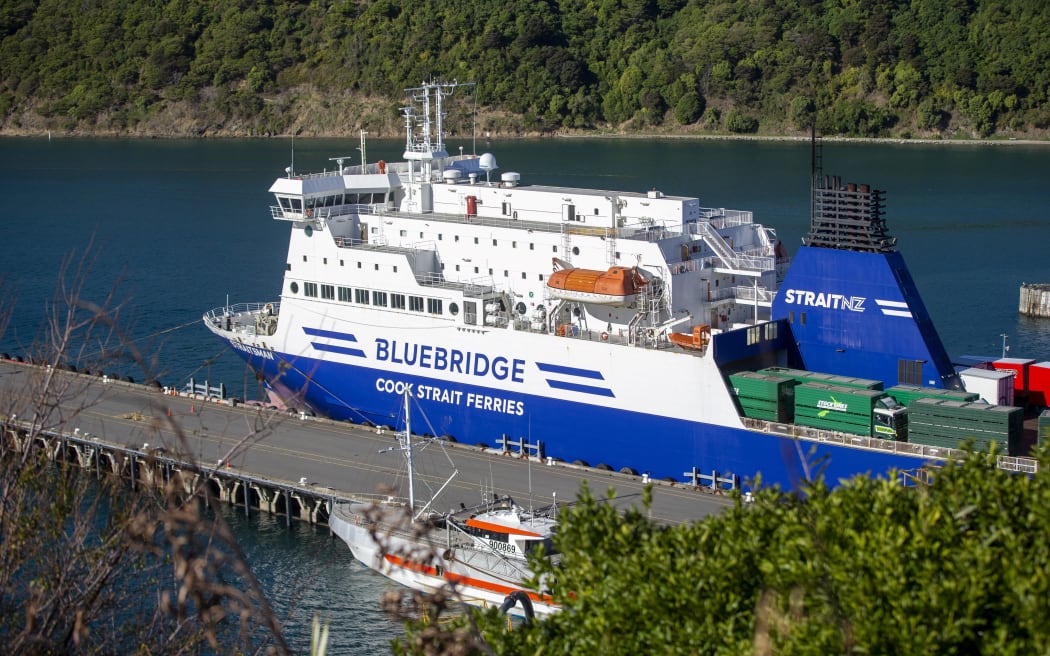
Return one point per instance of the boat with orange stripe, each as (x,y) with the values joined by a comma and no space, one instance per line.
(480,553)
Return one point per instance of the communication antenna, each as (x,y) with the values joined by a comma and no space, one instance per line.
(473,127)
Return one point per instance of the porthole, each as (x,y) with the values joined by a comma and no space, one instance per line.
(294,287)
(308,230)
(453,309)
(575,250)
(520,307)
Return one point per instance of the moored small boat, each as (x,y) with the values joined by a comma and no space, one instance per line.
(479,554)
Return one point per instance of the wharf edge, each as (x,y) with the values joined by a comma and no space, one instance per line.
(240,486)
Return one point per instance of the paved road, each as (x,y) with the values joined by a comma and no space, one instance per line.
(344,458)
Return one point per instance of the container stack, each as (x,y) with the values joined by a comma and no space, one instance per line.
(905,394)
(803,376)
(836,408)
(950,424)
(765,396)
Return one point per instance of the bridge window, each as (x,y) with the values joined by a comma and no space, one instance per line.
(361,296)
(379,298)
(310,289)
(328,292)
(434,305)
(397,301)
(415,303)
(344,294)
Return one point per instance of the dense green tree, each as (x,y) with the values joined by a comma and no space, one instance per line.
(873,68)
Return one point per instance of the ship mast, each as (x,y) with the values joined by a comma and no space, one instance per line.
(404,441)
(428,115)
(408,458)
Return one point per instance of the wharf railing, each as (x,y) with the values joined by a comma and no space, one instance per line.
(522,446)
(1016,464)
(152,466)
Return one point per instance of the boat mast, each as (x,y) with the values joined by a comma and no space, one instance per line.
(408,458)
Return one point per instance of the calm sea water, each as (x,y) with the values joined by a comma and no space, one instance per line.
(173,228)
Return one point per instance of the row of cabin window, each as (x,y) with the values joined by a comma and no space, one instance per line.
(477,240)
(495,242)
(373,297)
(506,272)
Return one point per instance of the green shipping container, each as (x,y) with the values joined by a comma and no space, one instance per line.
(836,408)
(905,394)
(1043,429)
(940,422)
(764,396)
(803,376)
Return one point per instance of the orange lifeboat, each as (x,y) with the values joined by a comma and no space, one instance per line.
(616,286)
(700,338)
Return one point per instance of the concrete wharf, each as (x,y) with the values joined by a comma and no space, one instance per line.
(269,461)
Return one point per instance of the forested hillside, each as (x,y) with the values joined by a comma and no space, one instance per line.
(913,68)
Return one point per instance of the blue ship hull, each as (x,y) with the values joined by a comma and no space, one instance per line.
(666,447)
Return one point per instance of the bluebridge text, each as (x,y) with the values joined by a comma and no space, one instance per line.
(454,361)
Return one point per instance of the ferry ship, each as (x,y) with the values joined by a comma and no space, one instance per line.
(600,327)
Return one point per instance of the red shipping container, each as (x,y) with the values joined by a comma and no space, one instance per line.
(1039,384)
(1020,368)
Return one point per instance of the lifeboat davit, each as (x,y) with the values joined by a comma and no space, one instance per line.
(700,338)
(617,286)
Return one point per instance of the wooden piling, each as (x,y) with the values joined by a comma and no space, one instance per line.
(1035,300)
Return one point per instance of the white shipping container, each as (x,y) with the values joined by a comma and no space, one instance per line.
(994,386)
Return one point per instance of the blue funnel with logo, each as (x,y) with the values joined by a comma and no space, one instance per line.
(851,303)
